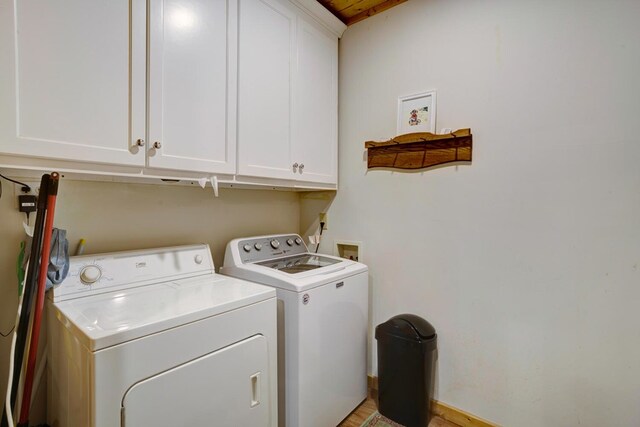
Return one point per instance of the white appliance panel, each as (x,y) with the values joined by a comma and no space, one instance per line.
(326,351)
(124,270)
(333,350)
(159,330)
(224,388)
(246,265)
(109,319)
(323,321)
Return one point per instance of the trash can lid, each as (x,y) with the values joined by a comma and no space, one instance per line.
(408,326)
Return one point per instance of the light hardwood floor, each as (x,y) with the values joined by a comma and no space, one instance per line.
(368,407)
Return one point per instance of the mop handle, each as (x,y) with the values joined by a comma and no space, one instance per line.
(52,193)
(22,328)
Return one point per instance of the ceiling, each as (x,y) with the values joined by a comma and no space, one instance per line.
(352,11)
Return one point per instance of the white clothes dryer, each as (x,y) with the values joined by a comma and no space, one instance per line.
(156,338)
(323,317)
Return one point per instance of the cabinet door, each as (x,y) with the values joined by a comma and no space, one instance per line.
(266,62)
(316,104)
(192,96)
(72,79)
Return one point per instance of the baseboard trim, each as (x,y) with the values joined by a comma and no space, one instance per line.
(441,409)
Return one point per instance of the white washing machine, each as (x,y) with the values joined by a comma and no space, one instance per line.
(156,338)
(322,325)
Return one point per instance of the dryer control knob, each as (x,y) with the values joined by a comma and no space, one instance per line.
(290,242)
(247,248)
(298,241)
(275,244)
(198,259)
(90,274)
(258,246)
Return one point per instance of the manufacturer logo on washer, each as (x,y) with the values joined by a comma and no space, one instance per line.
(305,299)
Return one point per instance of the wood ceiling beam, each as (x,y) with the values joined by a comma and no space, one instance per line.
(372,11)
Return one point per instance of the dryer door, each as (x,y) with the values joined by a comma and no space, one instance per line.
(229,387)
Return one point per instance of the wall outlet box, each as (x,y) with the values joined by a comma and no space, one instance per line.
(348,249)
(34,185)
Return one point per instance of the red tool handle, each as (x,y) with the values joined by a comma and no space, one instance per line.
(52,193)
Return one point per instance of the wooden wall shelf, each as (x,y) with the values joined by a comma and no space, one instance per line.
(420,150)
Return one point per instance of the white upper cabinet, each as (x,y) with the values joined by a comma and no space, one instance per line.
(72,79)
(265,71)
(287,100)
(171,88)
(316,104)
(74,82)
(191,109)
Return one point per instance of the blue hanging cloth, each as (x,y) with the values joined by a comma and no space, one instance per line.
(59,259)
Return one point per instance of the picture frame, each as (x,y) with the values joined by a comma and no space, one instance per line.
(417,113)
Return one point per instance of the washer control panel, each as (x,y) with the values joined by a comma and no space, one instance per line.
(270,247)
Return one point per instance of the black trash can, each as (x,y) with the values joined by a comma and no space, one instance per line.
(406,362)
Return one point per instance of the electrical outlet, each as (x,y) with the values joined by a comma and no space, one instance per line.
(35,188)
(323,218)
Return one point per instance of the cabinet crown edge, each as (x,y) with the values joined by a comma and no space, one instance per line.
(322,14)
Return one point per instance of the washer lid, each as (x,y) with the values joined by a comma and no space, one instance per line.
(113,318)
(299,263)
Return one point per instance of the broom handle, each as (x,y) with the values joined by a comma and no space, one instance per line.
(30,283)
(42,285)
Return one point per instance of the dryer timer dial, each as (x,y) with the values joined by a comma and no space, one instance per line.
(90,274)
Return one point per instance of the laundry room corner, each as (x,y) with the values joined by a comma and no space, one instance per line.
(124,216)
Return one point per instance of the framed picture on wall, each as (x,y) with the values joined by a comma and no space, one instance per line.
(417,113)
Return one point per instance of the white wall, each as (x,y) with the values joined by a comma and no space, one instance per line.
(528,261)
(114,217)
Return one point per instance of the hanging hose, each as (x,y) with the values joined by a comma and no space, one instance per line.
(7,402)
(22,326)
(52,193)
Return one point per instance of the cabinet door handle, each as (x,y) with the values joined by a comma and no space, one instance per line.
(157,145)
(140,142)
(295,167)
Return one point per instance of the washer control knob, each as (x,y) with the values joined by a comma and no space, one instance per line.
(247,248)
(275,244)
(90,274)
(290,242)
(298,241)
(198,259)
(258,246)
